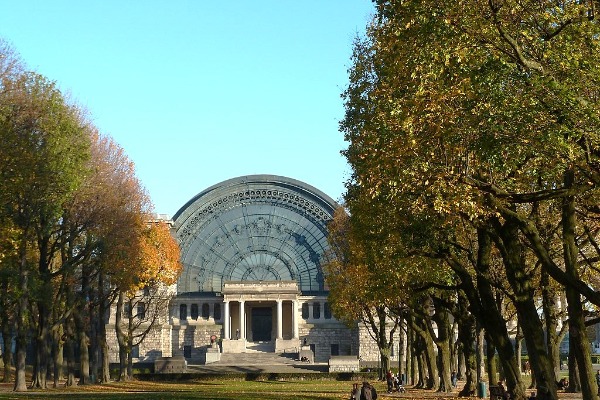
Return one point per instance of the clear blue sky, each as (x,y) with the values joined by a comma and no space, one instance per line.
(198,92)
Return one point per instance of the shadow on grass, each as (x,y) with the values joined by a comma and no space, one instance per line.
(169,395)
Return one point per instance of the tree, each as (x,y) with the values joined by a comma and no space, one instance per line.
(159,267)
(43,151)
(356,291)
(471,110)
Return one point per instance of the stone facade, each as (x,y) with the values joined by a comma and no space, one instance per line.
(190,336)
(368,350)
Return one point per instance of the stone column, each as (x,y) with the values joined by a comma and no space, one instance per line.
(279,319)
(226,320)
(242,319)
(295,319)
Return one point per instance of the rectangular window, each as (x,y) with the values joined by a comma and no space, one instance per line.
(305,310)
(127,310)
(135,351)
(205,311)
(335,349)
(141,310)
(187,351)
(316,310)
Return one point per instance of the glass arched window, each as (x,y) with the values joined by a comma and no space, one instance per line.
(183,311)
(327,311)
(217,312)
(194,312)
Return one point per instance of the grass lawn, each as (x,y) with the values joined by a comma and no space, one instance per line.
(225,389)
(220,389)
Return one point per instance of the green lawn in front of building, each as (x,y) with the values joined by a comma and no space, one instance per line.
(220,389)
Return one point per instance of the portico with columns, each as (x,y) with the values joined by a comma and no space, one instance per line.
(260,312)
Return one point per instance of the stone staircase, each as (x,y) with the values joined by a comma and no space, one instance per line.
(258,358)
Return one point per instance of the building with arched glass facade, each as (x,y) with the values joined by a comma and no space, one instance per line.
(253,250)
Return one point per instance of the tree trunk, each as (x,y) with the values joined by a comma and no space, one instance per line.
(42,353)
(121,339)
(581,347)
(423,378)
(84,358)
(427,349)
(57,356)
(431,362)
(70,351)
(577,330)
(20,384)
(511,249)
(105,362)
(466,338)
(419,373)
(82,325)
(411,371)
(483,305)
(7,355)
(443,341)
(401,351)
(574,381)
(492,369)
(44,308)
(22,320)
(479,353)
(94,344)
(519,346)
(551,310)
(130,360)
(104,307)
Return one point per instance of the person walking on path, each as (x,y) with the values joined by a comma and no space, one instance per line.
(389,378)
(454,378)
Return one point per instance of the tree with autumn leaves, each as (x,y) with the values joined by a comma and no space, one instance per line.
(147,298)
(351,286)
(474,127)
(75,231)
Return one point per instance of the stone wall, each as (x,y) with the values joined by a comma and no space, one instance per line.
(369,352)
(195,336)
(344,364)
(324,337)
(157,343)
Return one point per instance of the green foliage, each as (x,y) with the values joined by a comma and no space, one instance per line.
(464,117)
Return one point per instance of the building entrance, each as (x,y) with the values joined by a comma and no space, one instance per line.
(262,323)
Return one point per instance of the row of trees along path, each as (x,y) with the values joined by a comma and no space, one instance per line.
(473,201)
(75,237)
